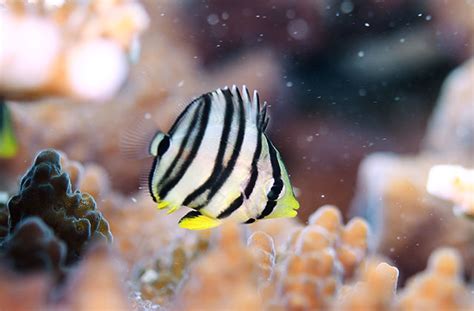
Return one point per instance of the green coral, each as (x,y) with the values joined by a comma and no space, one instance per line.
(45,192)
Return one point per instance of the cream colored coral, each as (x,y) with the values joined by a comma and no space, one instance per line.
(439,287)
(454,183)
(374,289)
(262,247)
(319,257)
(224,279)
(77,49)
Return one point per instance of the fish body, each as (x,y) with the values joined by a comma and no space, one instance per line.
(8,142)
(217,160)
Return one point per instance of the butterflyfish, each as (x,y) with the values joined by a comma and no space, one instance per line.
(218,161)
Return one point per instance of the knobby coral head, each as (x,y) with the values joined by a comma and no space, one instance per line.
(46,192)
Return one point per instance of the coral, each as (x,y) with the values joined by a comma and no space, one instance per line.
(319,257)
(159,280)
(453,183)
(23,293)
(451,130)
(439,287)
(408,222)
(97,284)
(374,289)
(230,264)
(82,52)
(33,247)
(3,215)
(263,249)
(45,191)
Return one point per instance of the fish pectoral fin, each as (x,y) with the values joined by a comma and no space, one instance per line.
(194,220)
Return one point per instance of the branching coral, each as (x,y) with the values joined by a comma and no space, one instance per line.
(230,264)
(45,191)
(318,259)
(78,50)
(439,287)
(374,289)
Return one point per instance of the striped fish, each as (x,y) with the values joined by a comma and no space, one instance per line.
(217,160)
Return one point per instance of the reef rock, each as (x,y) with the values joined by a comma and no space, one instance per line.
(408,222)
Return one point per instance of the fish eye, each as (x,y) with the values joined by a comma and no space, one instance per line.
(163,145)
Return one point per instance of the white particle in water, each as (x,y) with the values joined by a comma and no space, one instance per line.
(323,196)
(225,16)
(402,40)
(147,116)
(347,7)
(361,54)
(181,83)
(134,200)
(367,25)
(309,138)
(213,19)
(289,84)
(428,17)
(298,29)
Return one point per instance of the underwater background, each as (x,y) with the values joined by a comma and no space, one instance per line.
(371,105)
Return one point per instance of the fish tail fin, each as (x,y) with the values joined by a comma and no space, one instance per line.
(286,208)
(194,220)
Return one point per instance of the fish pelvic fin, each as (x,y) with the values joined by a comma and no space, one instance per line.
(194,220)
(165,204)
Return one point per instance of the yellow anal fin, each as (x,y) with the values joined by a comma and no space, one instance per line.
(194,220)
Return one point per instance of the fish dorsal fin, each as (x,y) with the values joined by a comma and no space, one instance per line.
(254,113)
(194,220)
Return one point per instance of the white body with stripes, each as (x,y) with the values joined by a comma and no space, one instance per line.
(217,160)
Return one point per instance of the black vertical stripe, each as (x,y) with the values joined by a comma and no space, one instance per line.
(183,145)
(206,109)
(235,153)
(150,178)
(186,110)
(276,189)
(219,161)
(232,207)
(256,156)
(268,209)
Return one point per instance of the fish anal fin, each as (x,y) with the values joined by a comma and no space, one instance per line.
(194,220)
